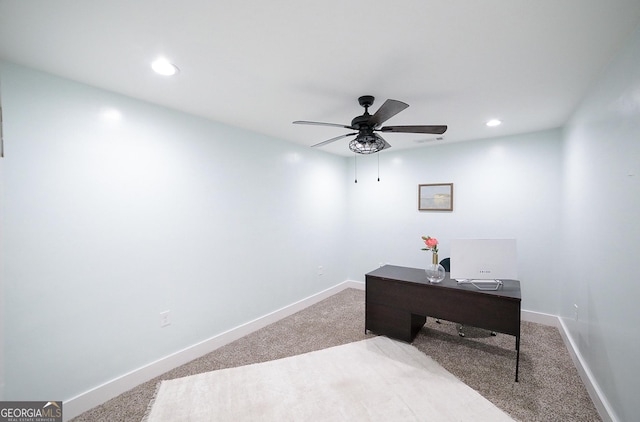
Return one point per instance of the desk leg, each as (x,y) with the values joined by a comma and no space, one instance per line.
(417,322)
(517,356)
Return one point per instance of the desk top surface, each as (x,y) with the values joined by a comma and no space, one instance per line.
(509,288)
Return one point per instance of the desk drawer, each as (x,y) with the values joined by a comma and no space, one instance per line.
(392,322)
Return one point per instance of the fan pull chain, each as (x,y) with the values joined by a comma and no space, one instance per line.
(378,154)
(355,166)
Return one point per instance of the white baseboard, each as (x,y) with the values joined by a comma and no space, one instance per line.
(597,396)
(117,386)
(96,396)
(599,400)
(540,318)
(352,284)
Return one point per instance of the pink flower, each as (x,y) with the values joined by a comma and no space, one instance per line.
(431,243)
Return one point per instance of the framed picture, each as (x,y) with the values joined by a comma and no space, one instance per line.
(435,197)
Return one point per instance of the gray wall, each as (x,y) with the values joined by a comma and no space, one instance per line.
(601,235)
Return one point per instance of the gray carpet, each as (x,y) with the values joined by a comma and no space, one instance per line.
(372,380)
(550,388)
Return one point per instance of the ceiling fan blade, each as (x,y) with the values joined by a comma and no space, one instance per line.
(304,122)
(328,141)
(436,130)
(389,109)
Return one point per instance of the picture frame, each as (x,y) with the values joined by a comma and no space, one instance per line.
(435,197)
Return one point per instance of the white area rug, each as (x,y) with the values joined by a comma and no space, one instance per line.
(371,380)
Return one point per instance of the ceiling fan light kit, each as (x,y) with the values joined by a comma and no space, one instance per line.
(366,146)
(366,140)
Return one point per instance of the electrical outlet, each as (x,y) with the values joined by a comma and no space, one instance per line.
(164,319)
(320,270)
(575,311)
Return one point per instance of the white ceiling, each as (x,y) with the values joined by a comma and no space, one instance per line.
(262,64)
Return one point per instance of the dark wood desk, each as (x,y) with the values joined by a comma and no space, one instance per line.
(398,300)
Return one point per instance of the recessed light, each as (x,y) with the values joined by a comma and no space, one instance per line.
(164,67)
(111,114)
(494,122)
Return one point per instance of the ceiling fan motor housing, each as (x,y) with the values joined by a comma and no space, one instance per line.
(361,122)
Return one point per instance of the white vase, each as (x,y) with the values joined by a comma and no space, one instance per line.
(435,271)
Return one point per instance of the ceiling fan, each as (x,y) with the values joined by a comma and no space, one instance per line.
(367,141)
